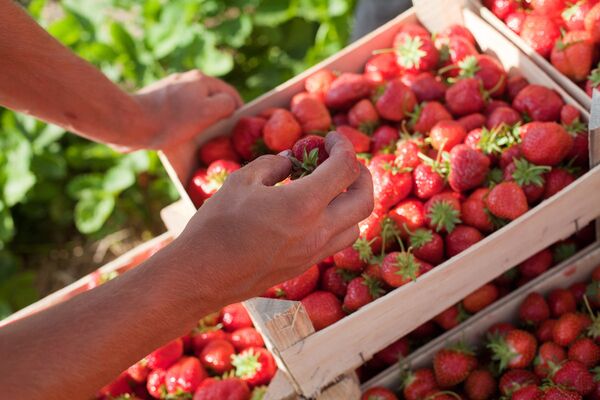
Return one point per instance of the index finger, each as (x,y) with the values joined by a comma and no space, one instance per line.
(336,173)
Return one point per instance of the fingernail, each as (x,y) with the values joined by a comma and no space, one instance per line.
(285,153)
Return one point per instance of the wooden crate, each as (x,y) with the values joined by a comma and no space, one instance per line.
(546,65)
(121,264)
(578,268)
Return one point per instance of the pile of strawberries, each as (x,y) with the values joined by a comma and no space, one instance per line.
(551,353)
(565,32)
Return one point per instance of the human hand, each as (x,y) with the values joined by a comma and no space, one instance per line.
(252,235)
(179,107)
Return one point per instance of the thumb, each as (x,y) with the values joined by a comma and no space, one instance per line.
(268,169)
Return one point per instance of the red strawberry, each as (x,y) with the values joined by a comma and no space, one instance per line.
(591,23)
(537,264)
(514,85)
(165,356)
(363,116)
(579,153)
(480,385)
(453,366)
(229,388)
(557,180)
(530,177)
(593,81)
(442,212)
(534,310)
(540,32)
(319,82)
(412,30)
(371,229)
(480,298)
(139,371)
(359,140)
(395,351)
(361,291)
(355,257)
(427,87)
(456,30)
(312,115)
(453,50)
(308,153)
(549,354)
(503,115)
(396,102)
(539,103)
(548,7)
(578,288)
(508,155)
(493,105)
(544,331)
(514,379)
(461,238)
(473,211)
(575,376)
(400,268)
(527,392)
(561,301)
(246,337)
(507,200)
(207,182)
(472,122)
(418,383)
(501,8)
(384,137)
(247,137)
(340,119)
(427,115)
(378,393)
(299,287)
(323,309)
(216,356)
(219,148)
(381,68)
(336,281)
(427,182)
(116,388)
(516,20)
(586,351)
(408,215)
(447,134)
(575,13)
(573,54)
(206,335)
(450,317)
(557,393)
(468,168)
(234,317)
(255,366)
(184,376)
(568,327)
(415,53)
(391,183)
(281,131)
(488,70)
(156,383)
(407,153)
(427,246)
(516,349)
(346,90)
(464,97)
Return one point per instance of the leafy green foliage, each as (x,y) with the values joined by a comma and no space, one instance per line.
(54,186)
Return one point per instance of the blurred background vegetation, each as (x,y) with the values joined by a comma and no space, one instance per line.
(68,205)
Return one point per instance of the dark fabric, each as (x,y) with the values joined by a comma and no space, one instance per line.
(371,14)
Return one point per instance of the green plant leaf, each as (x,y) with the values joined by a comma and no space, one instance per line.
(234,32)
(138,161)
(92,212)
(48,135)
(118,179)
(211,60)
(67,30)
(49,165)
(123,41)
(85,185)
(274,12)
(7,225)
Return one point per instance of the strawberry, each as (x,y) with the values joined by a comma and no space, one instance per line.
(323,309)
(544,331)
(363,116)
(336,281)
(488,70)
(473,211)
(509,154)
(427,87)
(407,152)
(453,365)
(461,238)
(408,215)
(579,153)
(156,383)
(340,119)
(216,356)
(319,82)
(246,337)
(561,301)
(234,317)
(446,134)
(537,264)
(548,7)
(516,20)
(558,393)
(540,32)
(575,376)
(450,317)
(568,327)
(394,352)
(534,310)
(219,148)
(527,392)
(480,298)
(456,30)
(468,168)
(501,8)
(417,383)
(465,97)
(574,14)
(312,115)
(184,376)
(591,23)
(281,131)
(507,200)
(247,137)
(400,268)
(361,291)
(427,182)
(308,153)
(300,286)
(118,387)
(453,50)
(480,385)
(396,101)
(415,53)
(442,212)
(371,229)
(503,115)
(346,90)
(384,137)
(206,335)
(516,349)
(391,183)
(359,140)
(549,354)
(530,177)
(472,122)
(494,104)
(573,54)
(557,180)
(427,115)
(539,103)
(139,371)
(229,388)
(427,246)
(207,182)
(378,393)
(578,288)
(382,67)
(514,85)
(593,81)
(255,366)
(165,356)
(514,379)
(586,351)
(355,257)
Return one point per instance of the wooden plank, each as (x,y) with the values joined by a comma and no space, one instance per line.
(436,15)
(594,132)
(176,216)
(319,358)
(347,388)
(577,268)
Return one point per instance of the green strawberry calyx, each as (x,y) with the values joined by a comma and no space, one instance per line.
(593,330)
(575,127)
(563,252)
(443,215)
(571,10)
(420,238)
(501,351)
(374,286)
(469,66)
(407,265)
(409,52)
(307,165)
(498,139)
(363,247)
(526,173)
(346,275)
(246,364)
(594,77)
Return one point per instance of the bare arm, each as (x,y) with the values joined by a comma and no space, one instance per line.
(249,236)
(40,77)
